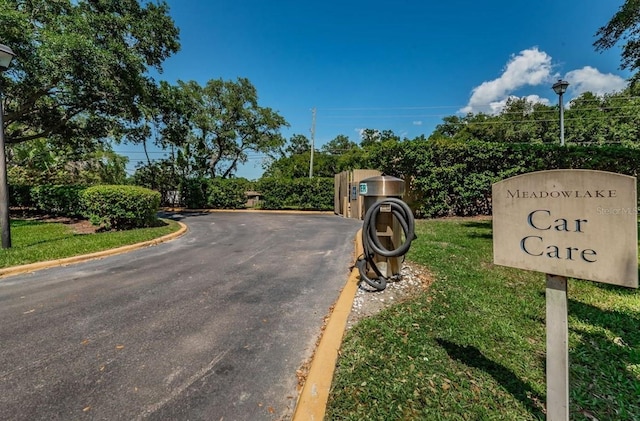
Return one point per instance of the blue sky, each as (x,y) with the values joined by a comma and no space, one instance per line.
(398,65)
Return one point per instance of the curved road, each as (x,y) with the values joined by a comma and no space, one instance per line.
(211,326)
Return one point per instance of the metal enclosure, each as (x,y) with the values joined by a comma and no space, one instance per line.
(374,190)
(347,201)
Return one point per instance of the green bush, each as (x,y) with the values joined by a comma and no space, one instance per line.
(20,196)
(217,193)
(58,199)
(121,207)
(194,193)
(299,193)
(227,193)
(450,178)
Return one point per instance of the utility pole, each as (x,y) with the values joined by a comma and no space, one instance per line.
(313,140)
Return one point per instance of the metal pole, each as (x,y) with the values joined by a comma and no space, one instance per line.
(4,196)
(313,141)
(561,121)
(557,349)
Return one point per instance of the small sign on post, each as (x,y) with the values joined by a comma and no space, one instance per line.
(566,223)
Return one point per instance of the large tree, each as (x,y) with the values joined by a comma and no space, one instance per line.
(214,127)
(38,162)
(339,145)
(623,26)
(298,144)
(81,71)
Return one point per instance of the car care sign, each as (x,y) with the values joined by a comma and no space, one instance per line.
(574,223)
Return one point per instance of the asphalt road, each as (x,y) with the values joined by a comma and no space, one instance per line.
(211,326)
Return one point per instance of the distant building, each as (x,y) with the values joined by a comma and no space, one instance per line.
(254,198)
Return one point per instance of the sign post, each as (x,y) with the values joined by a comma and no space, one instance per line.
(557,349)
(566,223)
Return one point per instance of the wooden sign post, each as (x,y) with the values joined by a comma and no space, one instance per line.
(557,349)
(566,223)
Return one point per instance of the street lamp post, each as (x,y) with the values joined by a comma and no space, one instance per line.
(560,87)
(6,55)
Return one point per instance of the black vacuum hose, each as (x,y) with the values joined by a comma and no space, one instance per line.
(372,245)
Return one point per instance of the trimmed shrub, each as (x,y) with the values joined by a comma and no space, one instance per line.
(58,199)
(194,193)
(217,193)
(121,207)
(20,196)
(300,193)
(227,193)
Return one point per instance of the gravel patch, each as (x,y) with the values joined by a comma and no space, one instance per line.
(368,301)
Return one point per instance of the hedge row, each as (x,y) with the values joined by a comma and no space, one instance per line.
(446,178)
(299,193)
(454,178)
(214,193)
(303,193)
(109,206)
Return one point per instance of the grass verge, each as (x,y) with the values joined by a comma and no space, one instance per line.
(36,241)
(473,346)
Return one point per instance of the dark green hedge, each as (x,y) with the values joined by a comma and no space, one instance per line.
(121,207)
(299,193)
(20,196)
(51,199)
(214,193)
(454,178)
(58,200)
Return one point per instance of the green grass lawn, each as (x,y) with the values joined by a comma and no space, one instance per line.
(473,346)
(35,241)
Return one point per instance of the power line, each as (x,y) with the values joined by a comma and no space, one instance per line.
(390,108)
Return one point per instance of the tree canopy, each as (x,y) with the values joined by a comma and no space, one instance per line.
(213,128)
(623,26)
(81,71)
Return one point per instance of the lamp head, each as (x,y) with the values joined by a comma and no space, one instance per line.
(6,54)
(560,86)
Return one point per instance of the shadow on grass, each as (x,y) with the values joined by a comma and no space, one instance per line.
(15,223)
(617,289)
(159,223)
(485,226)
(603,382)
(621,324)
(478,224)
(520,390)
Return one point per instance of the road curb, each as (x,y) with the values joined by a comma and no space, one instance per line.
(276,211)
(31,267)
(313,398)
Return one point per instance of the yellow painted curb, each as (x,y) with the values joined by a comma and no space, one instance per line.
(31,267)
(313,398)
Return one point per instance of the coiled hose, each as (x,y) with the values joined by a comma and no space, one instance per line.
(372,245)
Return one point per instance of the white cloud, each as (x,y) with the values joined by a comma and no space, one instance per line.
(536,99)
(529,67)
(533,67)
(417,123)
(592,80)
